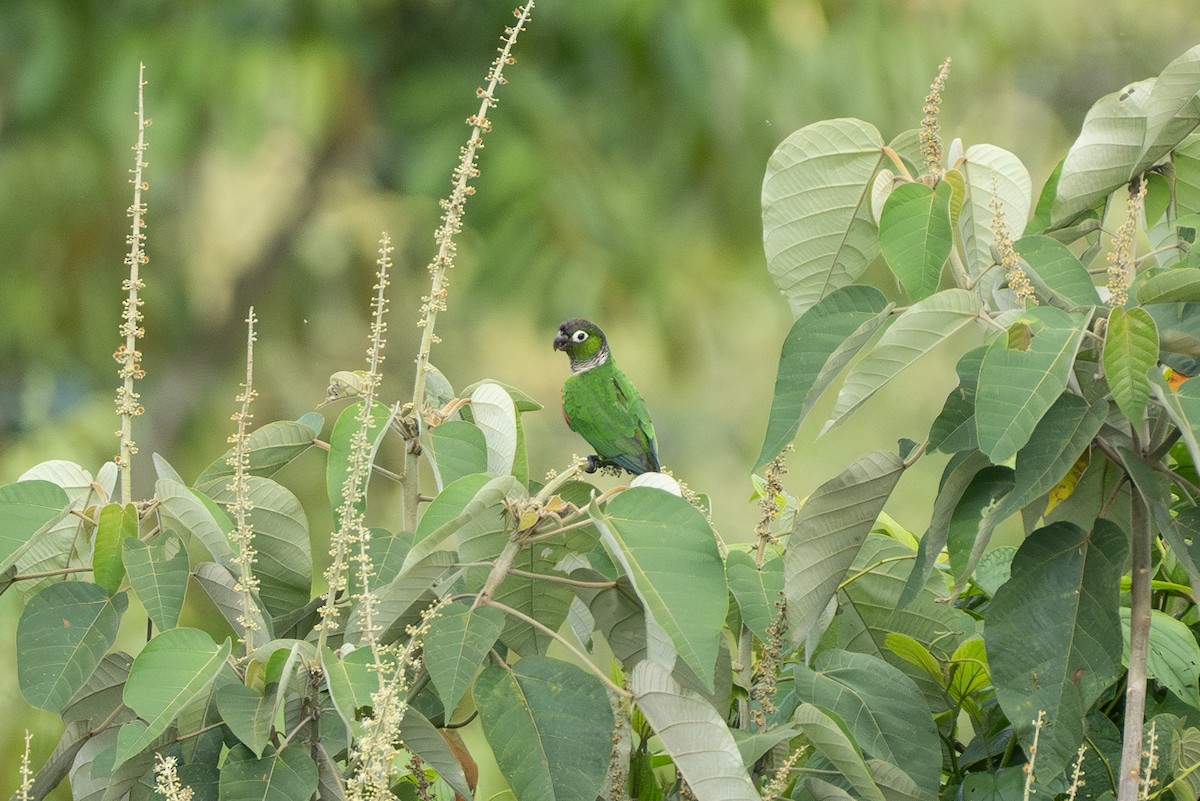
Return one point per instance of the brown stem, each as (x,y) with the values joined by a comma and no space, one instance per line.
(500,570)
(1139,647)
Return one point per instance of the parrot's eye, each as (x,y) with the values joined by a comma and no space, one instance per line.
(579,336)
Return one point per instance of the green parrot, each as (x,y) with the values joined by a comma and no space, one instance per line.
(602,404)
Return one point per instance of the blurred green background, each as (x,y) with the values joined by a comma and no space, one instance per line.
(621,183)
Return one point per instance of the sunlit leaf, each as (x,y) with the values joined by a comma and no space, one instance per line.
(496,415)
(458,640)
(271,447)
(1130,351)
(914,236)
(456,449)
(26,508)
(158,574)
(1056,273)
(1181,285)
(817,228)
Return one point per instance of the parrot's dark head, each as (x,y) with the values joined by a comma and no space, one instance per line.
(584,342)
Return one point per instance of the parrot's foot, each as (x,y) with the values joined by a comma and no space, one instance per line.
(594,463)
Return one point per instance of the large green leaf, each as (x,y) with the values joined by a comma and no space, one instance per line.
(992,174)
(817,227)
(666,547)
(921,328)
(338,467)
(456,449)
(1181,285)
(271,447)
(914,236)
(189,511)
(284,561)
(757,590)
(1125,132)
(427,741)
(471,498)
(116,523)
(159,577)
(692,732)
(1058,440)
(455,645)
(221,588)
(26,508)
(882,708)
(820,343)
(617,613)
(1065,587)
(1016,387)
(829,530)
(1056,273)
(953,430)
(1174,658)
(831,740)
(287,775)
(550,726)
(973,521)
(174,667)
(1130,351)
(62,636)
(248,714)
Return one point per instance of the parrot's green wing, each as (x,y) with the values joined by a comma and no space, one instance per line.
(605,408)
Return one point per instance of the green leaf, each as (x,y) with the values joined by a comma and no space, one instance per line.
(882,708)
(691,731)
(757,590)
(26,508)
(921,328)
(116,523)
(1181,285)
(1056,273)
(549,724)
(1058,440)
(954,428)
(195,513)
(284,561)
(496,415)
(458,640)
(271,447)
(248,715)
(401,600)
(1125,132)
(456,449)
(974,519)
(174,667)
(830,739)
(1130,351)
(1174,658)
(158,575)
(469,498)
(221,588)
(338,467)
(820,343)
(914,236)
(617,613)
(991,173)
(62,636)
(666,547)
(287,775)
(426,741)
(1065,587)
(829,530)
(1017,387)
(817,227)
(350,680)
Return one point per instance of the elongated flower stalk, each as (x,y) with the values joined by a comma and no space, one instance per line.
(1120,258)
(243,531)
(1010,260)
(931,128)
(452,214)
(128,355)
(352,530)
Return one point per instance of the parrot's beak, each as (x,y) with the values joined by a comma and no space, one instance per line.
(561,340)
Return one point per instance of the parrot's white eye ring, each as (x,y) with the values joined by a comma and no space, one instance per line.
(579,336)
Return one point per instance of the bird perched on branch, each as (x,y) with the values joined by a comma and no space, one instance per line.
(602,405)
